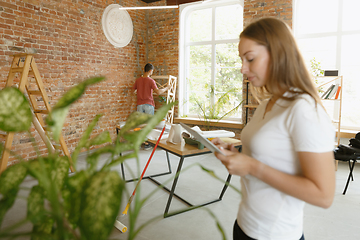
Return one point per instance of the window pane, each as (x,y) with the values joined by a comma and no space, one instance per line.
(199,77)
(317,16)
(229,104)
(350,70)
(198,89)
(200,25)
(351,17)
(229,22)
(228,83)
(322,48)
(200,56)
(228,88)
(205,68)
(227,55)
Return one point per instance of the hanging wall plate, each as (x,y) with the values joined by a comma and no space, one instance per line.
(117,25)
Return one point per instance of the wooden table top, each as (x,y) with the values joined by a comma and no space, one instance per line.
(186,150)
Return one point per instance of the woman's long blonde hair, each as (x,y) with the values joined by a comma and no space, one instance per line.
(286,69)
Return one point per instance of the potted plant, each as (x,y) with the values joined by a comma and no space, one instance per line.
(81,205)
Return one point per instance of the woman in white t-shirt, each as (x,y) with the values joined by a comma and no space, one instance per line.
(287,154)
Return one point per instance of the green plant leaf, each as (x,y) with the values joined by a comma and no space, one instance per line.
(102,138)
(12,177)
(55,121)
(42,231)
(218,225)
(138,137)
(35,204)
(60,170)
(57,116)
(55,167)
(7,202)
(93,158)
(114,150)
(122,147)
(15,112)
(75,92)
(72,196)
(35,170)
(212,173)
(101,199)
(134,120)
(84,138)
(119,160)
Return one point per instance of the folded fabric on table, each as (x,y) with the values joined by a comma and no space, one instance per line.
(155,134)
(213,133)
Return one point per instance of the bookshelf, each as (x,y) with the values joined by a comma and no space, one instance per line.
(332,100)
(248,103)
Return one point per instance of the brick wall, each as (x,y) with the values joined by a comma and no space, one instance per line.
(70,46)
(256,9)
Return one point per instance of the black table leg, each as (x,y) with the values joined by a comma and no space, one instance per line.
(174,186)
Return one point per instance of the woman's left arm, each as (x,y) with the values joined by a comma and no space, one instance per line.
(316,185)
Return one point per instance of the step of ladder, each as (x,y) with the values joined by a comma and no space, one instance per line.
(20,69)
(24,64)
(42,111)
(3,136)
(34,92)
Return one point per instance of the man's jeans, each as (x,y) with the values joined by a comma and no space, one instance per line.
(146,108)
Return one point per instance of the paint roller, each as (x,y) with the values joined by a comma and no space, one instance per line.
(120,226)
(142,174)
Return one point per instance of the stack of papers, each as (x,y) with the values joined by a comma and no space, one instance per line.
(155,133)
(213,133)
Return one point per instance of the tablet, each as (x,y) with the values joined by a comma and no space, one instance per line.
(202,139)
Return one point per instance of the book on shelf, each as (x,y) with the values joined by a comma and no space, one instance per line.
(338,92)
(326,93)
(333,91)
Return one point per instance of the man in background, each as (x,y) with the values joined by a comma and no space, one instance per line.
(145,86)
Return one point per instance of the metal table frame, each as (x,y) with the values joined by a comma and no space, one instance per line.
(189,152)
(184,152)
(145,177)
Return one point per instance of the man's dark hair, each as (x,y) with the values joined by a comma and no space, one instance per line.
(148,67)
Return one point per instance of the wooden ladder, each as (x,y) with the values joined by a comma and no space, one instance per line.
(25,65)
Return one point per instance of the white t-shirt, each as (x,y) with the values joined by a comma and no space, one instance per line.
(274,139)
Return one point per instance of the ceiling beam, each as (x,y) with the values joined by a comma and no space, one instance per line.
(172,2)
(150,1)
(177,2)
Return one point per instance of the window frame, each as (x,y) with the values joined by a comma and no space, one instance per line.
(185,11)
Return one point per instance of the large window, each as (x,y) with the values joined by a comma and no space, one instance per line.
(209,63)
(329,31)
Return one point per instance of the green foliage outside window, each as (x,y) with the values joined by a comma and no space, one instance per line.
(316,71)
(213,70)
(215,101)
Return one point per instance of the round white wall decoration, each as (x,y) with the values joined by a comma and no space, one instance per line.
(117,25)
